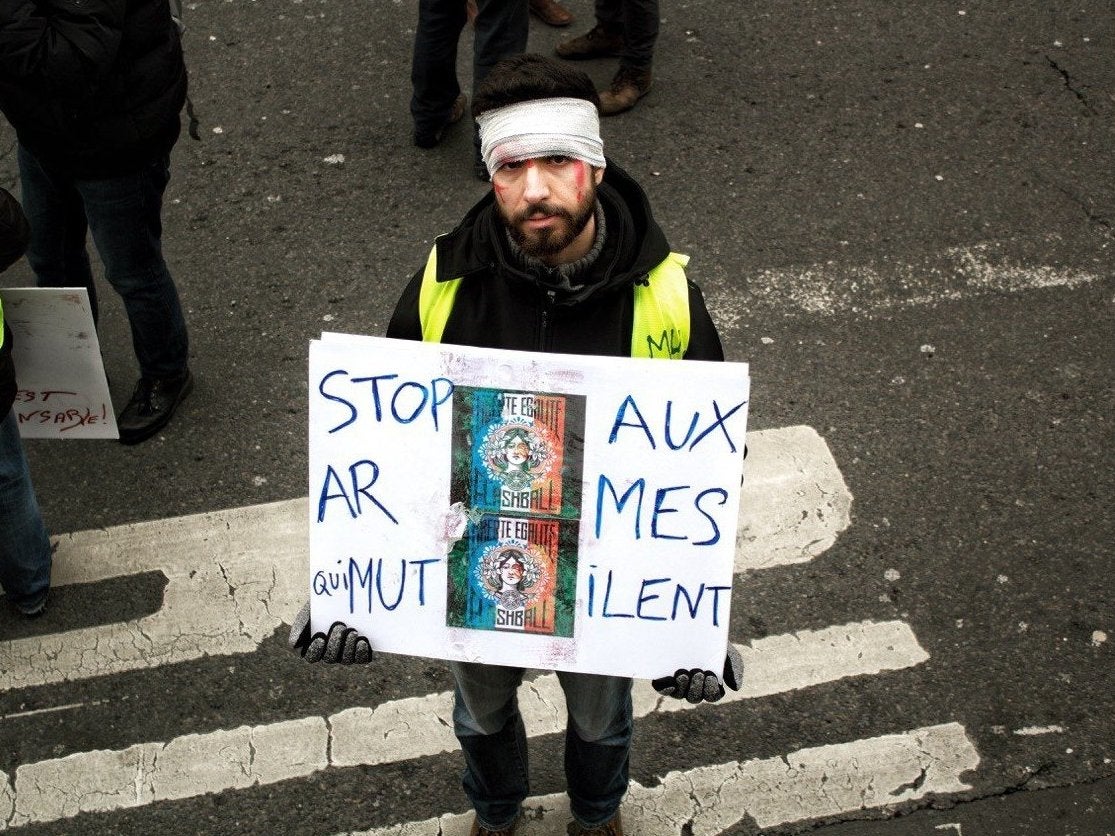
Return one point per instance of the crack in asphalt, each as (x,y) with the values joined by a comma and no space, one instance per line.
(1071,85)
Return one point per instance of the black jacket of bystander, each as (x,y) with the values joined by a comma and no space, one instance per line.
(93,88)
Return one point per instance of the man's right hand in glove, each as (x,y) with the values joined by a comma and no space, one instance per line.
(341,645)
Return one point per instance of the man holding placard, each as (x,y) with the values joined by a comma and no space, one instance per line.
(563,256)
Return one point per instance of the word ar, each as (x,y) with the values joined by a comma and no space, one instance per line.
(362,475)
(691,437)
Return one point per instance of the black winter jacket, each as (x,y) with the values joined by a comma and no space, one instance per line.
(499,305)
(93,88)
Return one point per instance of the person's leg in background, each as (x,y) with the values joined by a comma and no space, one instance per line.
(627,29)
(54,210)
(436,99)
(502,28)
(125,218)
(633,78)
(25,554)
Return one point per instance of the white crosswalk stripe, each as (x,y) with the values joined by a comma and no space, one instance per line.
(808,783)
(195,764)
(234,576)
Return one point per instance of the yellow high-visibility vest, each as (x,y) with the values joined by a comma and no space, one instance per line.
(660,326)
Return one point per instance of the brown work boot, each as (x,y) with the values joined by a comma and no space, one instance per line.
(596,43)
(480,830)
(612,827)
(628,87)
(551,12)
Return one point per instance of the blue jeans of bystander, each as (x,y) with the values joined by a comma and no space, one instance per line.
(490,729)
(124,214)
(637,20)
(24,546)
(501,29)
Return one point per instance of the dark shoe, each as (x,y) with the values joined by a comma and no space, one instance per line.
(612,827)
(551,12)
(152,406)
(477,830)
(596,43)
(427,139)
(628,87)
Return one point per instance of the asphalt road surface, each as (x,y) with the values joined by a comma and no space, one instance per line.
(901,216)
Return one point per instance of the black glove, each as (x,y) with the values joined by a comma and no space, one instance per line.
(343,644)
(696,685)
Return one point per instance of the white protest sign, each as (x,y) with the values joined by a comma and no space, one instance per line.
(539,510)
(63,392)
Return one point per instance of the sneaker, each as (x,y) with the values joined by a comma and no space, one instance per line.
(428,139)
(551,12)
(598,42)
(480,830)
(627,88)
(612,827)
(152,406)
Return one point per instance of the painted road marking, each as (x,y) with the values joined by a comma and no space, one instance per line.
(234,576)
(806,784)
(191,765)
(835,287)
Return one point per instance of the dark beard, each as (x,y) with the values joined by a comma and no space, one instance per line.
(547,242)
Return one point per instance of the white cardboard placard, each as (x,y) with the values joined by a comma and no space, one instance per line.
(63,391)
(538,510)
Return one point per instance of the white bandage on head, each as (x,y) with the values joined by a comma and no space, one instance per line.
(541,128)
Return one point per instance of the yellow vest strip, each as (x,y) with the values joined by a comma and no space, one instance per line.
(660,326)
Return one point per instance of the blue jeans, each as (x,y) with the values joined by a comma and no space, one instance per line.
(501,30)
(24,546)
(637,21)
(490,729)
(124,215)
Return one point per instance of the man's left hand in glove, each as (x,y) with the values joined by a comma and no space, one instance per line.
(696,685)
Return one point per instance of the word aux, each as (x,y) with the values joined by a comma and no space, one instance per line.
(675,512)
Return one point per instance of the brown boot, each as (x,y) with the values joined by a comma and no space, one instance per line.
(479,830)
(628,87)
(596,43)
(551,12)
(612,827)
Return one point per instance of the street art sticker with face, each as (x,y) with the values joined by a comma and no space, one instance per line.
(517,452)
(518,455)
(516,468)
(514,573)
